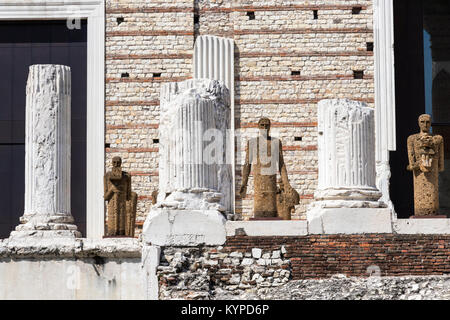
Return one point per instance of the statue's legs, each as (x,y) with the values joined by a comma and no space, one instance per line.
(426,193)
(131,215)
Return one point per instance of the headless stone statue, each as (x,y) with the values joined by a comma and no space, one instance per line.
(122,202)
(426,160)
(266,155)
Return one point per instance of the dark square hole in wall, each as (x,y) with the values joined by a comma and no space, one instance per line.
(251,15)
(157,75)
(358,74)
(107,145)
(155,140)
(120,20)
(295,73)
(125,75)
(356,10)
(196,18)
(298,138)
(316,14)
(369,46)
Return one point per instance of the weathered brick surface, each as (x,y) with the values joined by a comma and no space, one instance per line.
(352,255)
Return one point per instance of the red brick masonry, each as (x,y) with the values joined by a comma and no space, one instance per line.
(322,256)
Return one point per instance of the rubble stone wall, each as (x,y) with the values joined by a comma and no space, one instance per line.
(288,56)
(261,267)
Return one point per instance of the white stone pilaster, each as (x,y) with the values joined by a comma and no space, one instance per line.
(214,59)
(385,119)
(47,154)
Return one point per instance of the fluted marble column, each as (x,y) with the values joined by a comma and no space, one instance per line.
(214,59)
(47,154)
(346,142)
(195,179)
(195,116)
(347,200)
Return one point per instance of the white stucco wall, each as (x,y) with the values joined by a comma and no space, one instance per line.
(67,279)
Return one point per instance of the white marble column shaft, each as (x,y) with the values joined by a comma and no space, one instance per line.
(48,152)
(195,117)
(346,145)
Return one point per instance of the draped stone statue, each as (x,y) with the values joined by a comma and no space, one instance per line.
(122,202)
(265,154)
(426,160)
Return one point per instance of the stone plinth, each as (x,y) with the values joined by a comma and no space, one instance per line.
(47,154)
(195,178)
(347,177)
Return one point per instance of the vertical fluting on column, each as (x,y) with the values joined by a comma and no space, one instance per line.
(346,151)
(191,110)
(214,59)
(48,151)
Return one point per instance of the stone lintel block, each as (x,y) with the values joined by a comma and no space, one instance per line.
(165,227)
(422,226)
(349,221)
(267,228)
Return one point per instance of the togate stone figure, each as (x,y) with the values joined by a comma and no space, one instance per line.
(47,211)
(265,154)
(426,160)
(122,202)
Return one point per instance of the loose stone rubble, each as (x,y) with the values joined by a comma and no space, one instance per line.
(340,287)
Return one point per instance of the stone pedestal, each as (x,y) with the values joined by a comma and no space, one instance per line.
(195,178)
(47,154)
(347,177)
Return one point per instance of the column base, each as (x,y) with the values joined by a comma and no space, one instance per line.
(349,220)
(165,227)
(44,234)
(46,226)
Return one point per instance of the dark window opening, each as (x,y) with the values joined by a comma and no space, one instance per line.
(125,75)
(356,10)
(295,73)
(369,46)
(196,18)
(422,73)
(155,140)
(358,74)
(120,20)
(316,14)
(298,138)
(24,43)
(107,145)
(157,75)
(251,15)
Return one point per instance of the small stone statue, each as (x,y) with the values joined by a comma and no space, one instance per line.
(265,153)
(287,199)
(426,160)
(122,202)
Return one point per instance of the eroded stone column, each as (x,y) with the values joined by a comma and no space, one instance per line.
(194,170)
(346,194)
(47,154)
(195,178)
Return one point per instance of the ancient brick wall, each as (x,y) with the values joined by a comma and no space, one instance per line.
(288,56)
(269,262)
